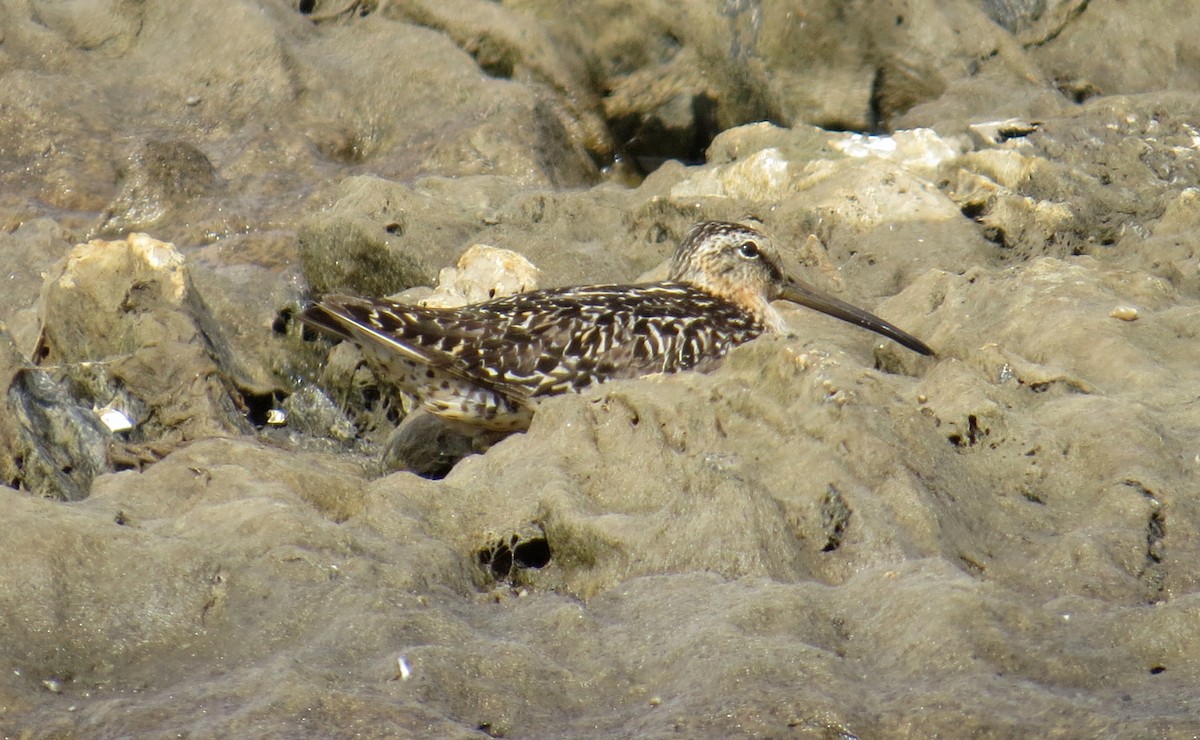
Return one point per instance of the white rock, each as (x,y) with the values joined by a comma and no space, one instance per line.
(763,176)
(483,272)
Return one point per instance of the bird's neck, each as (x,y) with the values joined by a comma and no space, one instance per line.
(751,302)
(766,314)
(773,321)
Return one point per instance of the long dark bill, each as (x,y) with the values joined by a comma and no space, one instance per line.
(806,295)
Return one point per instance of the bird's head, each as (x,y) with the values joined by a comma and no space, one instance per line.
(740,264)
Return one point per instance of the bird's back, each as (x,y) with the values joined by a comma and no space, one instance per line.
(560,340)
(536,344)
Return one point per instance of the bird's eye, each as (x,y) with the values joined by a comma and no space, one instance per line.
(749,250)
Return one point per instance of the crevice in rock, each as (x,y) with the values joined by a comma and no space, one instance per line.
(506,557)
(973,435)
(258,407)
(835,518)
(1154,572)
(647,141)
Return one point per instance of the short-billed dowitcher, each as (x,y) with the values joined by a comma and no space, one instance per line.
(484,366)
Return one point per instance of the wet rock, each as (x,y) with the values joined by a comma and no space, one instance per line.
(678,76)
(920,151)
(309,411)
(879,216)
(1168,250)
(309,104)
(1060,191)
(403,128)
(1014,15)
(825,536)
(121,321)
(50,444)
(799,144)
(39,116)
(247,306)
(509,556)
(371,405)
(29,251)
(1090,50)
(382,237)
(508,43)
(760,176)
(342,255)
(161,176)
(257,528)
(424,445)
(607,523)
(102,26)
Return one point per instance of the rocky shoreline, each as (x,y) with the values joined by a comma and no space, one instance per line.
(827,536)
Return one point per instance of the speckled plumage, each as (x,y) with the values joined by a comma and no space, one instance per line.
(486,364)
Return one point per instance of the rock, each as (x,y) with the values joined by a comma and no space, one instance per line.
(825,536)
(89,25)
(309,411)
(29,252)
(50,444)
(1058,191)
(920,151)
(121,320)
(510,44)
(424,445)
(161,176)
(343,255)
(761,176)
(381,237)
(483,273)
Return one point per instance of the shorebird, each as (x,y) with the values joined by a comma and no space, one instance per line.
(484,367)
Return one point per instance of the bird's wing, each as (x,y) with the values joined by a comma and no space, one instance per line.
(434,337)
(544,342)
(555,341)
